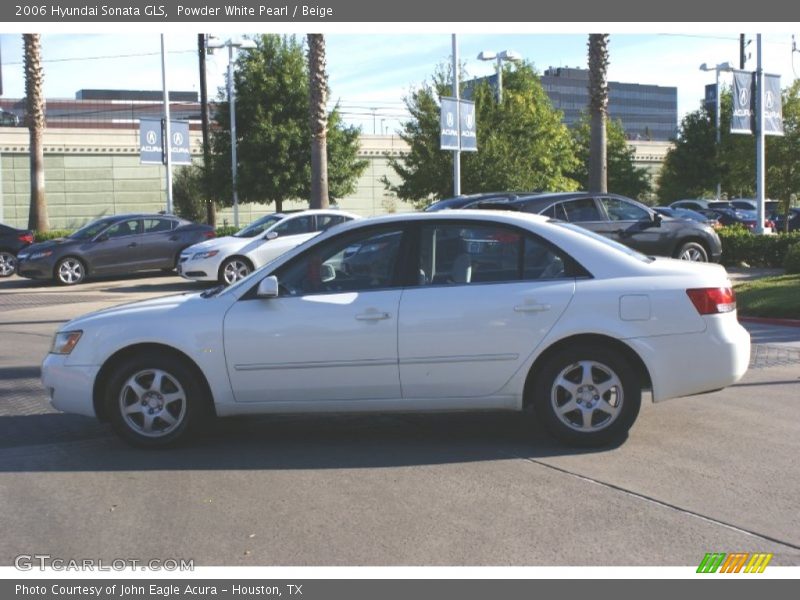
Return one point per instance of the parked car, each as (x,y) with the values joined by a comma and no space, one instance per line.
(695,204)
(11,242)
(530,314)
(112,246)
(627,222)
(471,199)
(228,259)
(794,220)
(745,218)
(685,213)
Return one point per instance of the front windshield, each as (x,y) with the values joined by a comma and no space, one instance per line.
(92,229)
(258,227)
(608,242)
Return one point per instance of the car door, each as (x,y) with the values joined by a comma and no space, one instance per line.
(329,336)
(486,296)
(159,243)
(117,249)
(290,232)
(633,225)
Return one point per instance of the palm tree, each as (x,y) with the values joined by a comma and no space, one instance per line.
(598,111)
(34,118)
(318,118)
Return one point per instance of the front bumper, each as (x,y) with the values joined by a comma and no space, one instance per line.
(70,388)
(198,270)
(40,268)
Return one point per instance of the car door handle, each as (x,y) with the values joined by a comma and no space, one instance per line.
(372,316)
(532,307)
(132,245)
(174,238)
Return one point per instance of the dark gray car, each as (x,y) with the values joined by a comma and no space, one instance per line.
(112,246)
(626,221)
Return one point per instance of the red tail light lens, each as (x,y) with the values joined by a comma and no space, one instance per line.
(26,237)
(210,234)
(712,301)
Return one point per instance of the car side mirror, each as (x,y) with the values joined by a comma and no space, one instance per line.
(268,287)
(656,219)
(271,235)
(327,273)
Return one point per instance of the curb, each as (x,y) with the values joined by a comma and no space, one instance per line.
(771,321)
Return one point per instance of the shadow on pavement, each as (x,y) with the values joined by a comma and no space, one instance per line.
(275,443)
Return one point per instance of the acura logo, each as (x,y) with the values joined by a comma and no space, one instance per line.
(177,138)
(449,119)
(151,137)
(769,99)
(744,97)
(470,120)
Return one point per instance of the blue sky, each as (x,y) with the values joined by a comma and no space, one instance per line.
(370,74)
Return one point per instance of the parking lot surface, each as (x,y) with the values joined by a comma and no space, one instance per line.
(710,473)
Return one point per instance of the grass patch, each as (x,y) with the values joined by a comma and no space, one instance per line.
(774,297)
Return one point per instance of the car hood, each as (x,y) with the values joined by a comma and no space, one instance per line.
(227,243)
(49,244)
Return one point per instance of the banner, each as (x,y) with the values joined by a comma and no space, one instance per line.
(743,103)
(448,120)
(773,111)
(151,146)
(468,127)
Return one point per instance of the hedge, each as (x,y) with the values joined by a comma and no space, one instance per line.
(740,247)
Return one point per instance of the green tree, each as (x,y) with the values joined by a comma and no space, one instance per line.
(624,177)
(783,164)
(272,113)
(598,112)
(690,168)
(187,192)
(522,143)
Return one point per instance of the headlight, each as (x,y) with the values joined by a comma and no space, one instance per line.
(208,254)
(40,254)
(65,341)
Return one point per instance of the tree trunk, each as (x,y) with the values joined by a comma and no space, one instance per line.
(598,111)
(318,118)
(211,209)
(34,119)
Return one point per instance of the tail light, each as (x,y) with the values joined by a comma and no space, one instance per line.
(210,234)
(712,301)
(26,237)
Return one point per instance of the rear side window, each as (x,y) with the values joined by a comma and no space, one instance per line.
(581,210)
(327,221)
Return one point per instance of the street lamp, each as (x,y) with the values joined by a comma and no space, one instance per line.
(508,55)
(230,44)
(726,66)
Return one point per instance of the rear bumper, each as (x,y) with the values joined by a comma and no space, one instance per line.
(687,364)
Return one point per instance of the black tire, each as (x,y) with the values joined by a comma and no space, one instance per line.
(8,263)
(599,383)
(159,414)
(69,271)
(234,268)
(693,251)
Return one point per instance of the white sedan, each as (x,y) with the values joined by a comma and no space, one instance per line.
(228,259)
(455,310)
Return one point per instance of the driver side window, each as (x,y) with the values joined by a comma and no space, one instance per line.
(363,261)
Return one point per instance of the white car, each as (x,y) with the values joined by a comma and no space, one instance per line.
(228,259)
(453,310)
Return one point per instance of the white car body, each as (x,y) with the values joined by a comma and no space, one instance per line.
(195,264)
(419,348)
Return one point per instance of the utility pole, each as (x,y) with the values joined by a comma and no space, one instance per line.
(742,56)
(166,141)
(456,153)
(211,213)
(760,180)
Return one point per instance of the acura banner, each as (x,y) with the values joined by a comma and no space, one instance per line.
(744,103)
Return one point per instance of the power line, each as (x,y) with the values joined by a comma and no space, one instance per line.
(106,57)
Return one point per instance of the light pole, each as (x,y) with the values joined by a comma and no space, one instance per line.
(230,44)
(726,66)
(508,55)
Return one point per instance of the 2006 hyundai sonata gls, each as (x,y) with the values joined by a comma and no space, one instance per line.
(457,310)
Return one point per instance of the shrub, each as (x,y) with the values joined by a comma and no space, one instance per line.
(739,246)
(44,236)
(227,230)
(792,260)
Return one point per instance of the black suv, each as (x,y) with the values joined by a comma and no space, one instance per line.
(623,220)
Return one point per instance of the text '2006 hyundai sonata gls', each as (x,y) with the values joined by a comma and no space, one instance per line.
(456,310)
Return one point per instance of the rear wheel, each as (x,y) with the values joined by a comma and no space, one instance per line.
(8,263)
(234,269)
(154,400)
(70,271)
(692,251)
(587,395)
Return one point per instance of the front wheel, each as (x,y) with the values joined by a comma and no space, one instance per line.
(587,395)
(70,271)
(8,263)
(234,269)
(154,400)
(693,251)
